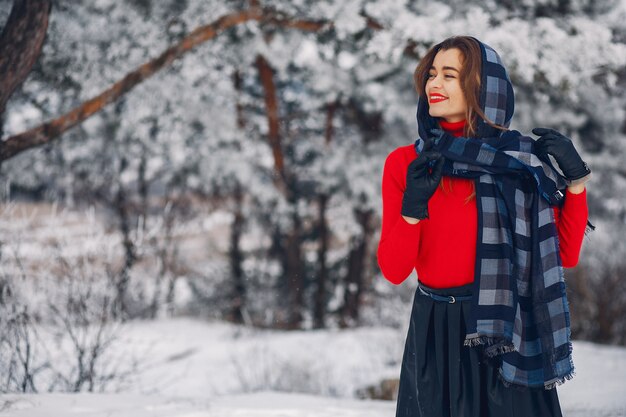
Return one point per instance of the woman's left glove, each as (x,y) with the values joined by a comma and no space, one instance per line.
(562,149)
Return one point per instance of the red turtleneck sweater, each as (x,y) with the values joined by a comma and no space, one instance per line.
(447,260)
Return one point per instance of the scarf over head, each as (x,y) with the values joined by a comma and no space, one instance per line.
(519,307)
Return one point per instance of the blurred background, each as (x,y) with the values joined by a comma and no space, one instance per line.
(235,194)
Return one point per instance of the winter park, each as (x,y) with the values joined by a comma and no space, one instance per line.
(305,208)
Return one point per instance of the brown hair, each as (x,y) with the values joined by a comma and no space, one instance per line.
(469,77)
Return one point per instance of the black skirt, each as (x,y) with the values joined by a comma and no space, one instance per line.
(440,377)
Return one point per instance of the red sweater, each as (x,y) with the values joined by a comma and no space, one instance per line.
(451,229)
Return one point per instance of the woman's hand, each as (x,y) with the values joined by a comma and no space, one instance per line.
(420,184)
(562,149)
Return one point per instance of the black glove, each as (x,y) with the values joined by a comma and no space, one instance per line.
(562,149)
(420,184)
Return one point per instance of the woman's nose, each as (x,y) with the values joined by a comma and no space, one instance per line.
(435,81)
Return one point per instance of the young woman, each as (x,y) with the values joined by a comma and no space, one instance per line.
(488,223)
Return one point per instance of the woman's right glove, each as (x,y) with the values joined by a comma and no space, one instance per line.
(420,184)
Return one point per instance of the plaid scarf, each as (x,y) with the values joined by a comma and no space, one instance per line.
(519,308)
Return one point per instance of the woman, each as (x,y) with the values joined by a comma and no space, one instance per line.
(482,215)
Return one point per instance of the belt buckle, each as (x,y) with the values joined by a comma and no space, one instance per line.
(453,299)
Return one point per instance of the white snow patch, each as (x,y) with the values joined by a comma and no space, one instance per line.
(196,368)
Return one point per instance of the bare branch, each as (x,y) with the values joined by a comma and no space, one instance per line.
(50,130)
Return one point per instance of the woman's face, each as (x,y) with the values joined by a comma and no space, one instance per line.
(443,87)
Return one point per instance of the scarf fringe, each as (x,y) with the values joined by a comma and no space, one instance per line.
(475,341)
(548,386)
(561,380)
(498,346)
(493,351)
(493,346)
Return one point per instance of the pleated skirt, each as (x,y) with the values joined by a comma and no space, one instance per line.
(440,377)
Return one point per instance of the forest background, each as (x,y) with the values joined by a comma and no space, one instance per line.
(240,179)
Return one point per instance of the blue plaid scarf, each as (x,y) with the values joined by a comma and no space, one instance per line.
(519,309)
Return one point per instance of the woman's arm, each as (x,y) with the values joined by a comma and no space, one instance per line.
(571,221)
(397,249)
(576,189)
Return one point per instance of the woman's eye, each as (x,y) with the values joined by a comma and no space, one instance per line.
(450,76)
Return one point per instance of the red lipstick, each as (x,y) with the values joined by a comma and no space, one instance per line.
(436,98)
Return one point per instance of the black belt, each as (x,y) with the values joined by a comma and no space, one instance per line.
(445,298)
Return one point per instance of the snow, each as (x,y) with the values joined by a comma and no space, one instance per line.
(191,367)
(261,404)
(189,357)
(600,382)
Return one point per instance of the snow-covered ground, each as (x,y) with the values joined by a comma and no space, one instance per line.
(261,404)
(189,368)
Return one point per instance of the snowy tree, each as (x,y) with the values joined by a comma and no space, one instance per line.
(285,120)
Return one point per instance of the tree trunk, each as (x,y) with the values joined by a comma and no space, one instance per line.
(241,121)
(120,309)
(166,256)
(356,269)
(20,43)
(156,296)
(293,262)
(294,273)
(238,307)
(266,74)
(143,187)
(322,270)
(330,115)
(236,259)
